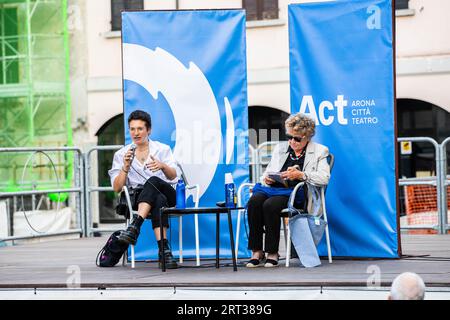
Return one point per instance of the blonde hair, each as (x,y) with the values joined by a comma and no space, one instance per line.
(301,125)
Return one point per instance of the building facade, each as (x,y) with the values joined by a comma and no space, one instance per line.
(86,71)
(422,67)
(422,50)
(61,82)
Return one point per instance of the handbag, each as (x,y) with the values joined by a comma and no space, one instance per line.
(111,253)
(306,232)
(122,207)
(300,197)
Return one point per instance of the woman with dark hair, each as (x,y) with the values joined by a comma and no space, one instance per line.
(151,164)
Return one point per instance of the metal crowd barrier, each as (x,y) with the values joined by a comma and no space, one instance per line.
(253,162)
(431,181)
(263,161)
(258,159)
(441,181)
(445,183)
(79,189)
(94,188)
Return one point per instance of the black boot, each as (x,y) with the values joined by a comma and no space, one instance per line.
(130,235)
(167,254)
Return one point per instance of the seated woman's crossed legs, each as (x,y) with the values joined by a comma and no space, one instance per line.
(155,195)
(264,217)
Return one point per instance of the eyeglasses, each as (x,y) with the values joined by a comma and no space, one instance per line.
(297,139)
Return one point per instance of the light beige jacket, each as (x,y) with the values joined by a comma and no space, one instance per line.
(316,166)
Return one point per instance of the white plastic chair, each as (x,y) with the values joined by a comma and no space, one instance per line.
(283,216)
(193,190)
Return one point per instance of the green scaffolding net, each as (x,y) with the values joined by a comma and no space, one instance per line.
(34,93)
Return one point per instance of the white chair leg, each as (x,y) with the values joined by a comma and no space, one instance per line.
(197,241)
(285,236)
(327,233)
(124,258)
(238,229)
(327,236)
(284,232)
(125,254)
(288,244)
(180,238)
(132,257)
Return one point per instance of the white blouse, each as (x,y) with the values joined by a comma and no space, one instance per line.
(138,173)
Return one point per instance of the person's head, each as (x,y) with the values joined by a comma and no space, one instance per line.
(299,130)
(407,286)
(140,125)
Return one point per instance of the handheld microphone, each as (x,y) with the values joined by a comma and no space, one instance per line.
(133,148)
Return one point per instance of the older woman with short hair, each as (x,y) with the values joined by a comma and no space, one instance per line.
(298,159)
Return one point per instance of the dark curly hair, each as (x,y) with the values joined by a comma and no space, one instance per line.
(141,115)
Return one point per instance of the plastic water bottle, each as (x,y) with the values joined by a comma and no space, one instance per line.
(181,194)
(230,192)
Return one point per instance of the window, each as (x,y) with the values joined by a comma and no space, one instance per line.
(111,133)
(267,124)
(261,9)
(401,4)
(117,6)
(416,118)
(9,46)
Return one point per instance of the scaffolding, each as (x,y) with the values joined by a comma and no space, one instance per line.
(34,89)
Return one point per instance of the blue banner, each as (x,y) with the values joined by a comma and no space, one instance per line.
(342,75)
(188,70)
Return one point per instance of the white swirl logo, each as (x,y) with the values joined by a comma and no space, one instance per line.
(193,104)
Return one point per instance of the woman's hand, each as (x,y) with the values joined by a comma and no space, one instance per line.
(155,165)
(268,181)
(127,158)
(292,173)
